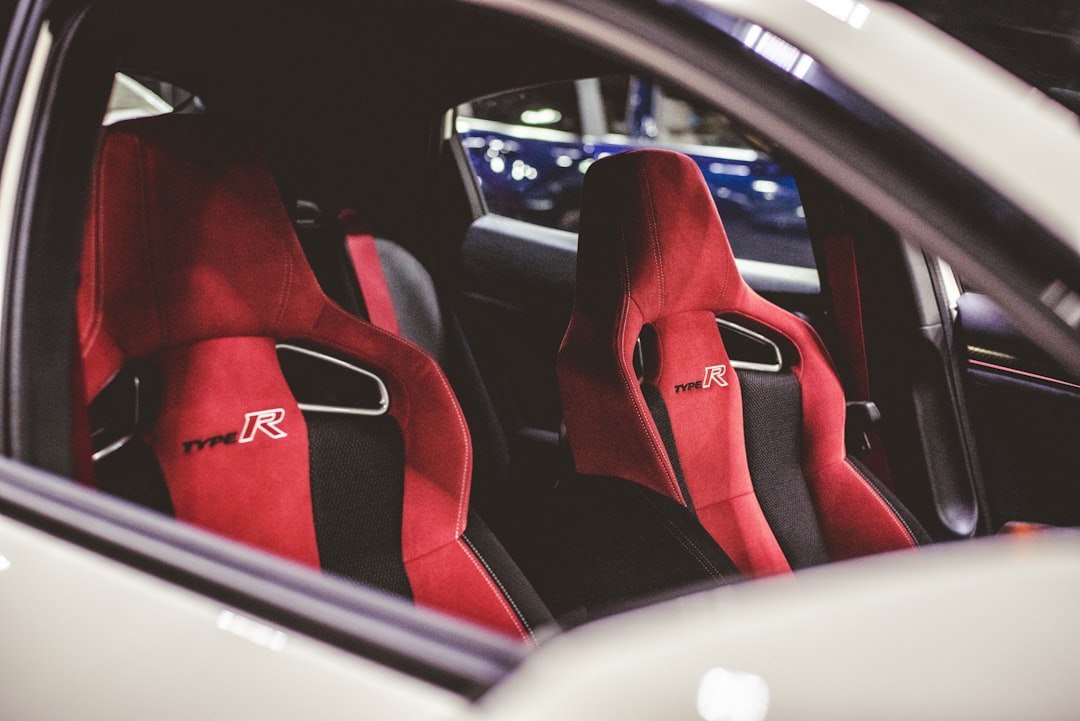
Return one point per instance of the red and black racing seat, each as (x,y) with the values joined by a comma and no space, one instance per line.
(227,390)
(706,424)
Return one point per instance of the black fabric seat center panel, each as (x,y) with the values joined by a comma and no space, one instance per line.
(772,418)
(357,497)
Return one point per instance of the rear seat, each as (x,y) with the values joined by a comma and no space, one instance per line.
(418,316)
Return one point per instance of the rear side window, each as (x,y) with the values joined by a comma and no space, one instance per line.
(530,149)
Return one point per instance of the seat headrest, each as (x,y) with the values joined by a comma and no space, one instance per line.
(653,238)
(186,239)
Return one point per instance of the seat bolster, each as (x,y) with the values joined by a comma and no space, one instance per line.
(229,442)
(516,588)
(443,571)
(609,427)
(857,519)
(454,580)
(701,394)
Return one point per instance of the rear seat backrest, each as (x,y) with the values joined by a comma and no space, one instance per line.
(338,252)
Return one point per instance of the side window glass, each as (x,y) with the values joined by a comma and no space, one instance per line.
(530,149)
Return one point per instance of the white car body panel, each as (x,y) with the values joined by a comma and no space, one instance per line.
(980,630)
(1010,134)
(86,637)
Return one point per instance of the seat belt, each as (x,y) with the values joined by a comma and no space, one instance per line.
(843,279)
(360,245)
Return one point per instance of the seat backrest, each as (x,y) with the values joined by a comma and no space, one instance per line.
(650,393)
(281,420)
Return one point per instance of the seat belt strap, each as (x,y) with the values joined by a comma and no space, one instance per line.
(843,279)
(360,245)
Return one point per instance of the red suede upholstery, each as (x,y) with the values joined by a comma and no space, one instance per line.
(653,251)
(190,261)
(709,437)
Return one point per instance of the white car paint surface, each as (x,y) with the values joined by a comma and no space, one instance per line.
(1017,139)
(978,630)
(85,637)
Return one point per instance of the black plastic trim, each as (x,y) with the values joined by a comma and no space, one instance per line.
(43,270)
(527,265)
(19,44)
(954,381)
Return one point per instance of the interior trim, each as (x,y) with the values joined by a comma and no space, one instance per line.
(380,408)
(757,337)
(1024,374)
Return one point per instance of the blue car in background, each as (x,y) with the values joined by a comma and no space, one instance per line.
(530,150)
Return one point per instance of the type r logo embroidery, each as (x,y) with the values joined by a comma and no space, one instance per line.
(714,376)
(266,421)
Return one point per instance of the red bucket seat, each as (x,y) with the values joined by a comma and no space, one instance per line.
(227,390)
(752,450)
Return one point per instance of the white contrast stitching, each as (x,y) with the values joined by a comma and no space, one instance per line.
(495,578)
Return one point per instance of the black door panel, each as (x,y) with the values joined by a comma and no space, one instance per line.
(517,291)
(525,266)
(1023,407)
